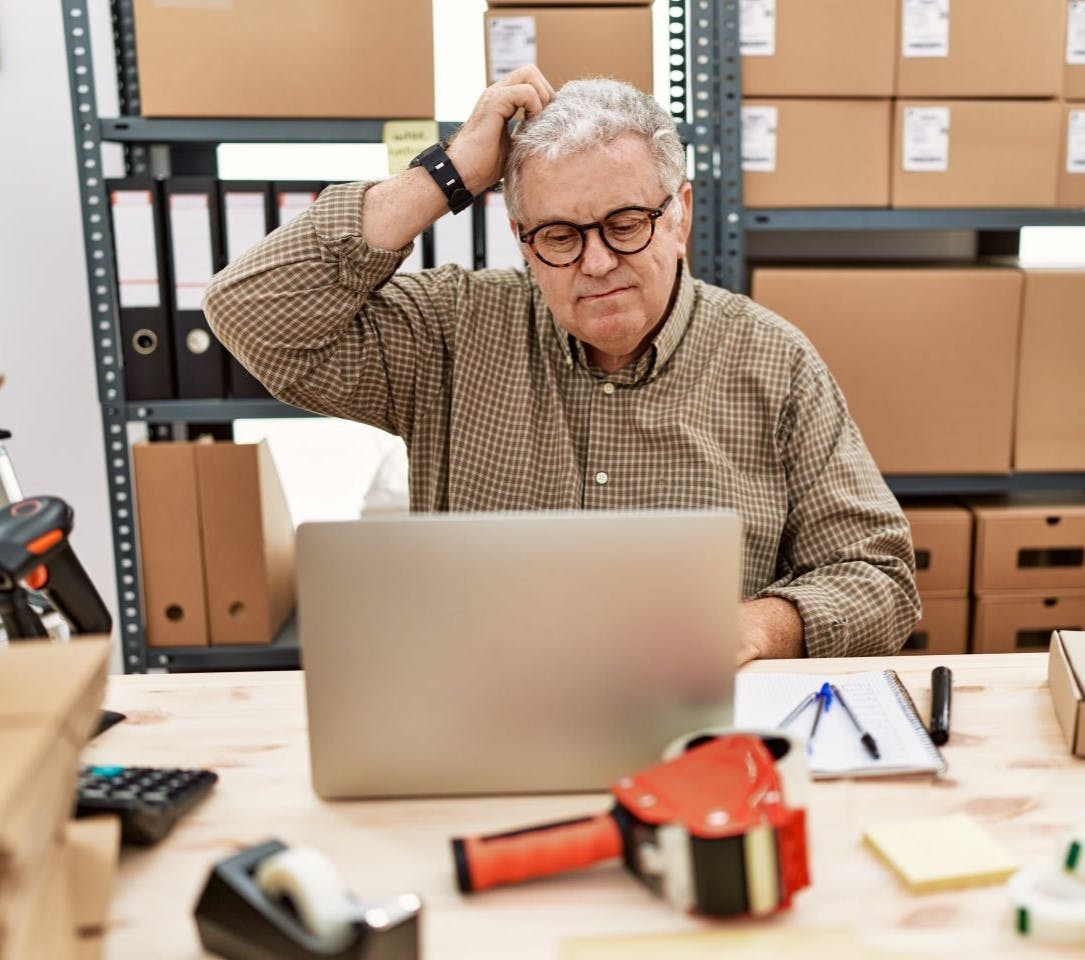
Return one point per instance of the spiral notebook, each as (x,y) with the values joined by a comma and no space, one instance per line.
(879,701)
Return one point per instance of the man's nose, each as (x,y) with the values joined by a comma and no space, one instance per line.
(597,259)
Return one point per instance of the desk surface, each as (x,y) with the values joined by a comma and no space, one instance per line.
(1008,768)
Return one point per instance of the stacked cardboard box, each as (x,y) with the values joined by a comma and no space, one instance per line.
(942,537)
(1029,572)
(566,42)
(216,543)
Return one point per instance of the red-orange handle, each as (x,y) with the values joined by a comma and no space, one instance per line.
(484,862)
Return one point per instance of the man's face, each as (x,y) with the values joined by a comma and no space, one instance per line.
(611,302)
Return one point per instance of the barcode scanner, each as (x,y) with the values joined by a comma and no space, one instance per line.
(35,551)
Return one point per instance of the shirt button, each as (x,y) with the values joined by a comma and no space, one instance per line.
(608,388)
(601,478)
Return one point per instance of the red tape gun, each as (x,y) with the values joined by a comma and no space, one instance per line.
(708,830)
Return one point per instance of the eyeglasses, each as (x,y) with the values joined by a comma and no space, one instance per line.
(626,230)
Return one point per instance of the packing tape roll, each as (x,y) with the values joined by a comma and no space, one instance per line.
(1048,905)
(316,889)
(1072,861)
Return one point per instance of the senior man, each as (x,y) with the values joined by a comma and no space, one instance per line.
(602,377)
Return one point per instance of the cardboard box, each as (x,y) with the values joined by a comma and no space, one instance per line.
(570,3)
(1019,624)
(1073,53)
(1050,430)
(50,695)
(926,358)
(46,927)
(942,537)
(248,542)
(170,545)
(94,845)
(943,628)
(975,153)
(815,153)
(568,43)
(279,58)
(821,48)
(987,48)
(1035,547)
(1070,189)
(1066,680)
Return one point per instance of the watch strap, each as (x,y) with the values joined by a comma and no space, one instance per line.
(446,176)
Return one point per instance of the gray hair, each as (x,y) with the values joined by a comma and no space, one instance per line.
(590,113)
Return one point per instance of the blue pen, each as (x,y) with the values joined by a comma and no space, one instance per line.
(825,699)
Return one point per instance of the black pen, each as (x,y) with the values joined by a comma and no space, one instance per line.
(865,738)
(941,695)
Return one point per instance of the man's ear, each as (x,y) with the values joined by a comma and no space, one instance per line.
(685,198)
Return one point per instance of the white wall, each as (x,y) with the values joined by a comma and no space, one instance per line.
(49,401)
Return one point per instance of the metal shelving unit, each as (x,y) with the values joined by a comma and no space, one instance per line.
(704,65)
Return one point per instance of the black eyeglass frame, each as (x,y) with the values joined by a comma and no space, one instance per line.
(654,213)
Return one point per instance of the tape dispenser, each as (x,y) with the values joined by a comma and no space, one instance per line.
(273,902)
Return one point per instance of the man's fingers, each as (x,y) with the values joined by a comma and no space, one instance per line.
(531,74)
(521,95)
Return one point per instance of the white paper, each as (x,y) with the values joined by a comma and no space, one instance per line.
(293,202)
(759,139)
(511,43)
(502,247)
(413,263)
(926,139)
(1075,142)
(190,243)
(757,28)
(246,221)
(1075,32)
(134,244)
(762,700)
(453,240)
(925,28)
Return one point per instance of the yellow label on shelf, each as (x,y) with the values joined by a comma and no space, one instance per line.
(405,139)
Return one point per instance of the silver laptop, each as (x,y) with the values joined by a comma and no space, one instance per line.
(518,652)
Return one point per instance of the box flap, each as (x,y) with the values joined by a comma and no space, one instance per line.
(1066,689)
(94,845)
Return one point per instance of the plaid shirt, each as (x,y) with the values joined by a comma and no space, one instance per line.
(501,410)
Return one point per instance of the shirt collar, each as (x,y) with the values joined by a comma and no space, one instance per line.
(663,345)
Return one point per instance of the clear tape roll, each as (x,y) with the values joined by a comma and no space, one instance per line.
(1048,905)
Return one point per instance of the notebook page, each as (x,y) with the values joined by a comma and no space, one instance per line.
(764,699)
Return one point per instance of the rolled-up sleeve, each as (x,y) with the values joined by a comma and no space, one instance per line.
(846,558)
(321,318)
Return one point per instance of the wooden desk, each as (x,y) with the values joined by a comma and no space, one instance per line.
(1009,769)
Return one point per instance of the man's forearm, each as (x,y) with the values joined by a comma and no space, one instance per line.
(398,210)
(769,628)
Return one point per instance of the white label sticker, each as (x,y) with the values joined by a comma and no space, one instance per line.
(511,42)
(925,28)
(246,221)
(1075,32)
(1075,143)
(134,242)
(292,203)
(757,28)
(190,242)
(926,139)
(759,139)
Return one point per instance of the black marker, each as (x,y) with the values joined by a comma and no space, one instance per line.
(941,695)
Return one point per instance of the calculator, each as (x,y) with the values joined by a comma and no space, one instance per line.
(148,800)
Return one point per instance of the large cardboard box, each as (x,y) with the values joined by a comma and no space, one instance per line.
(943,628)
(570,3)
(926,357)
(279,58)
(248,542)
(815,153)
(568,43)
(1073,82)
(942,537)
(1070,190)
(820,48)
(50,695)
(1034,546)
(975,153)
(986,48)
(170,545)
(1020,624)
(1050,430)
(1066,681)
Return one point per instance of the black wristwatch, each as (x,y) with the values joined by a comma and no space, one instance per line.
(446,176)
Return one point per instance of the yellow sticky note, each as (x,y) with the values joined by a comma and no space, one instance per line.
(405,139)
(940,853)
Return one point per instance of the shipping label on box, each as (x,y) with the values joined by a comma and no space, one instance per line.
(757,28)
(1075,33)
(511,43)
(1075,141)
(925,28)
(926,139)
(759,126)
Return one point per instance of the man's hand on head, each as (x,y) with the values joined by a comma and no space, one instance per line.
(770,628)
(481,145)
